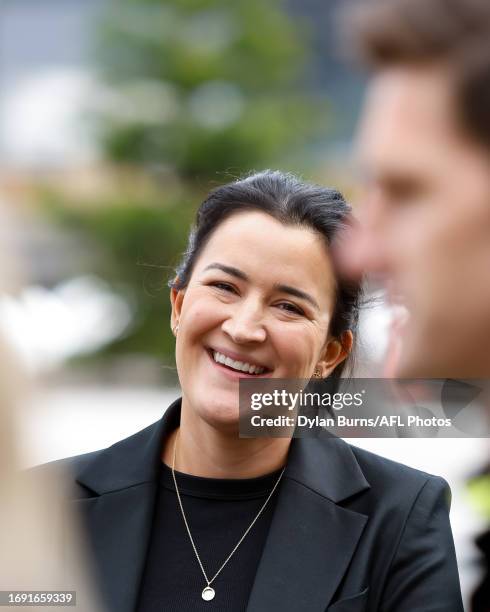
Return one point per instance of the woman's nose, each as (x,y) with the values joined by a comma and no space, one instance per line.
(245,325)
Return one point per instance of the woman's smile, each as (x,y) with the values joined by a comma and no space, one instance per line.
(236,366)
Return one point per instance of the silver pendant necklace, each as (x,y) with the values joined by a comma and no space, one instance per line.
(208,592)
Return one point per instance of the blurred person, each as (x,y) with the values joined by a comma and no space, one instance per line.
(40,549)
(424,152)
(186,515)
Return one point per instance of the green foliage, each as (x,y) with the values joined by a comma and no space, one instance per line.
(138,244)
(203,87)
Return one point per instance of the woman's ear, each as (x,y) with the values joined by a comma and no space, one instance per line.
(335,352)
(176,299)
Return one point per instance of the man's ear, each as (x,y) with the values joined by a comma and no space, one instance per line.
(176,299)
(335,352)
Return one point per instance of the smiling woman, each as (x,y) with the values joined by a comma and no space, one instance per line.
(256,295)
(186,515)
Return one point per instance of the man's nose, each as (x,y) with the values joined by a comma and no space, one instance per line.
(361,249)
(245,324)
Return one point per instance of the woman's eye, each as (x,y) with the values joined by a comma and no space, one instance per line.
(292,308)
(224,286)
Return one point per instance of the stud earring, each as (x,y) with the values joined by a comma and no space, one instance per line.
(317,373)
(176,329)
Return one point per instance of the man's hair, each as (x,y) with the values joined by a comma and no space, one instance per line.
(454,34)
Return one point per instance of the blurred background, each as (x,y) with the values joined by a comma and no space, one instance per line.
(116,118)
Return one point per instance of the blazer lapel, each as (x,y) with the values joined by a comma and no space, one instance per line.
(118,517)
(119,526)
(311,538)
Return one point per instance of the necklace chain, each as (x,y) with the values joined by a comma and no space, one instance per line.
(189,531)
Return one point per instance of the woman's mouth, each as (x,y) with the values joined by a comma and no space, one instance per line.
(236,368)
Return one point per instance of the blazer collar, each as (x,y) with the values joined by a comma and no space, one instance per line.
(325,464)
(132,461)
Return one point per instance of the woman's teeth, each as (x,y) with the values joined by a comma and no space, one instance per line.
(241,366)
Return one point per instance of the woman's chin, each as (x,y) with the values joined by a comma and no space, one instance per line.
(221,416)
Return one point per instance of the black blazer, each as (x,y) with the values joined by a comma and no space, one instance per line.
(351,531)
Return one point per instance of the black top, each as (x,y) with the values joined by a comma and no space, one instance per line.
(218,512)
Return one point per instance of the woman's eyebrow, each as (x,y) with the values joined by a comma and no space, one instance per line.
(299,293)
(228,270)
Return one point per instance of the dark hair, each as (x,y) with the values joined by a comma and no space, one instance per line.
(292,202)
(452,33)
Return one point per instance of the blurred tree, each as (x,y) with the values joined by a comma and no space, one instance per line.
(137,244)
(204,87)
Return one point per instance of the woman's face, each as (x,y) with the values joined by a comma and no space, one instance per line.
(261,293)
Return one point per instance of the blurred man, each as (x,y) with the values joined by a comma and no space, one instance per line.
(424,151)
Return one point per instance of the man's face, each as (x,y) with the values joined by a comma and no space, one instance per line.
(425,220)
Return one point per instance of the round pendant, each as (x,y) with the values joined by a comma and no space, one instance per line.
(208,593)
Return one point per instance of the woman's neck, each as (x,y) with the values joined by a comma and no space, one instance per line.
(202,450)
